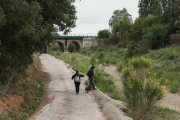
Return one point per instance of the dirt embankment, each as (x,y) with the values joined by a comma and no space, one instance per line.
(24,93)
(11,102)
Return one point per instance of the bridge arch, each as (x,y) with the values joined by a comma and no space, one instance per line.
(61,46)
(76,46)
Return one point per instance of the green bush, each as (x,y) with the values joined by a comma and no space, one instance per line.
(141,94)
(129,53)
(55,47)
(58,53)
(102,34)
(88,53)
(132,45)
(120,66)
(141,62)
(156,35)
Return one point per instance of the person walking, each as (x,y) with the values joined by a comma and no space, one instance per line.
(91,77)
(77,80)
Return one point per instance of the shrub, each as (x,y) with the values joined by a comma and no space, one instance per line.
(129,53)
(130,49)
(58,54)
(71,47)
(55,46)
(120,66)
(132,45)
(142,62)
(141,94)
(88,53)
(155,35)
(102,34)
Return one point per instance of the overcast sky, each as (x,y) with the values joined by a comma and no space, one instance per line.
(93,15)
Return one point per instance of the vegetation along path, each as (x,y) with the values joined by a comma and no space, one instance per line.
(172,101)
(66,105)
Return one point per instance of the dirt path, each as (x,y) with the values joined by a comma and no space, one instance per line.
(172,101)
(66,105)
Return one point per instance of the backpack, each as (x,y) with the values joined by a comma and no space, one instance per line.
(88,73)
(77,79)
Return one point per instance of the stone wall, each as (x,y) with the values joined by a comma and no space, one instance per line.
(87,42)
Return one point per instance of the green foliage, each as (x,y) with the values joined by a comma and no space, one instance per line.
(55,46)
(71,47)
(93,61)
(141,94)
(87,82)
(141,62)
(132,45)
(27,26)
(155,35)
(58,53)
(102,34)
(175,86)
(119,14)
(137,28)
(130,49)
(174,25)
(160,8)
(121,30)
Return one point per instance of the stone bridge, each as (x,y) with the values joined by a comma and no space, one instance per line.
(79,42)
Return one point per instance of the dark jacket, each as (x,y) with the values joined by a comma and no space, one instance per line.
(90,73)
(75,75)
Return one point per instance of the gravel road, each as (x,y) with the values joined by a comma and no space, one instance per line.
(66,105)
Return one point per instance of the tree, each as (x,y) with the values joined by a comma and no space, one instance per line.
(119,14)
(155,35)
(137,28)
(102,34)
(26,26)
(121,30)
(160,8)
(174,25)
(147,7)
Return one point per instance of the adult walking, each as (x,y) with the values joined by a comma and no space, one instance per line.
(77,80)
(91,77)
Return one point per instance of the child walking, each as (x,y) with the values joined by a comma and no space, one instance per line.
(77,80)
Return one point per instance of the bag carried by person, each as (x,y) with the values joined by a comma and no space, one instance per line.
(88,73)
(77,79)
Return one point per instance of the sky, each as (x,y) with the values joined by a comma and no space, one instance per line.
(94,15)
